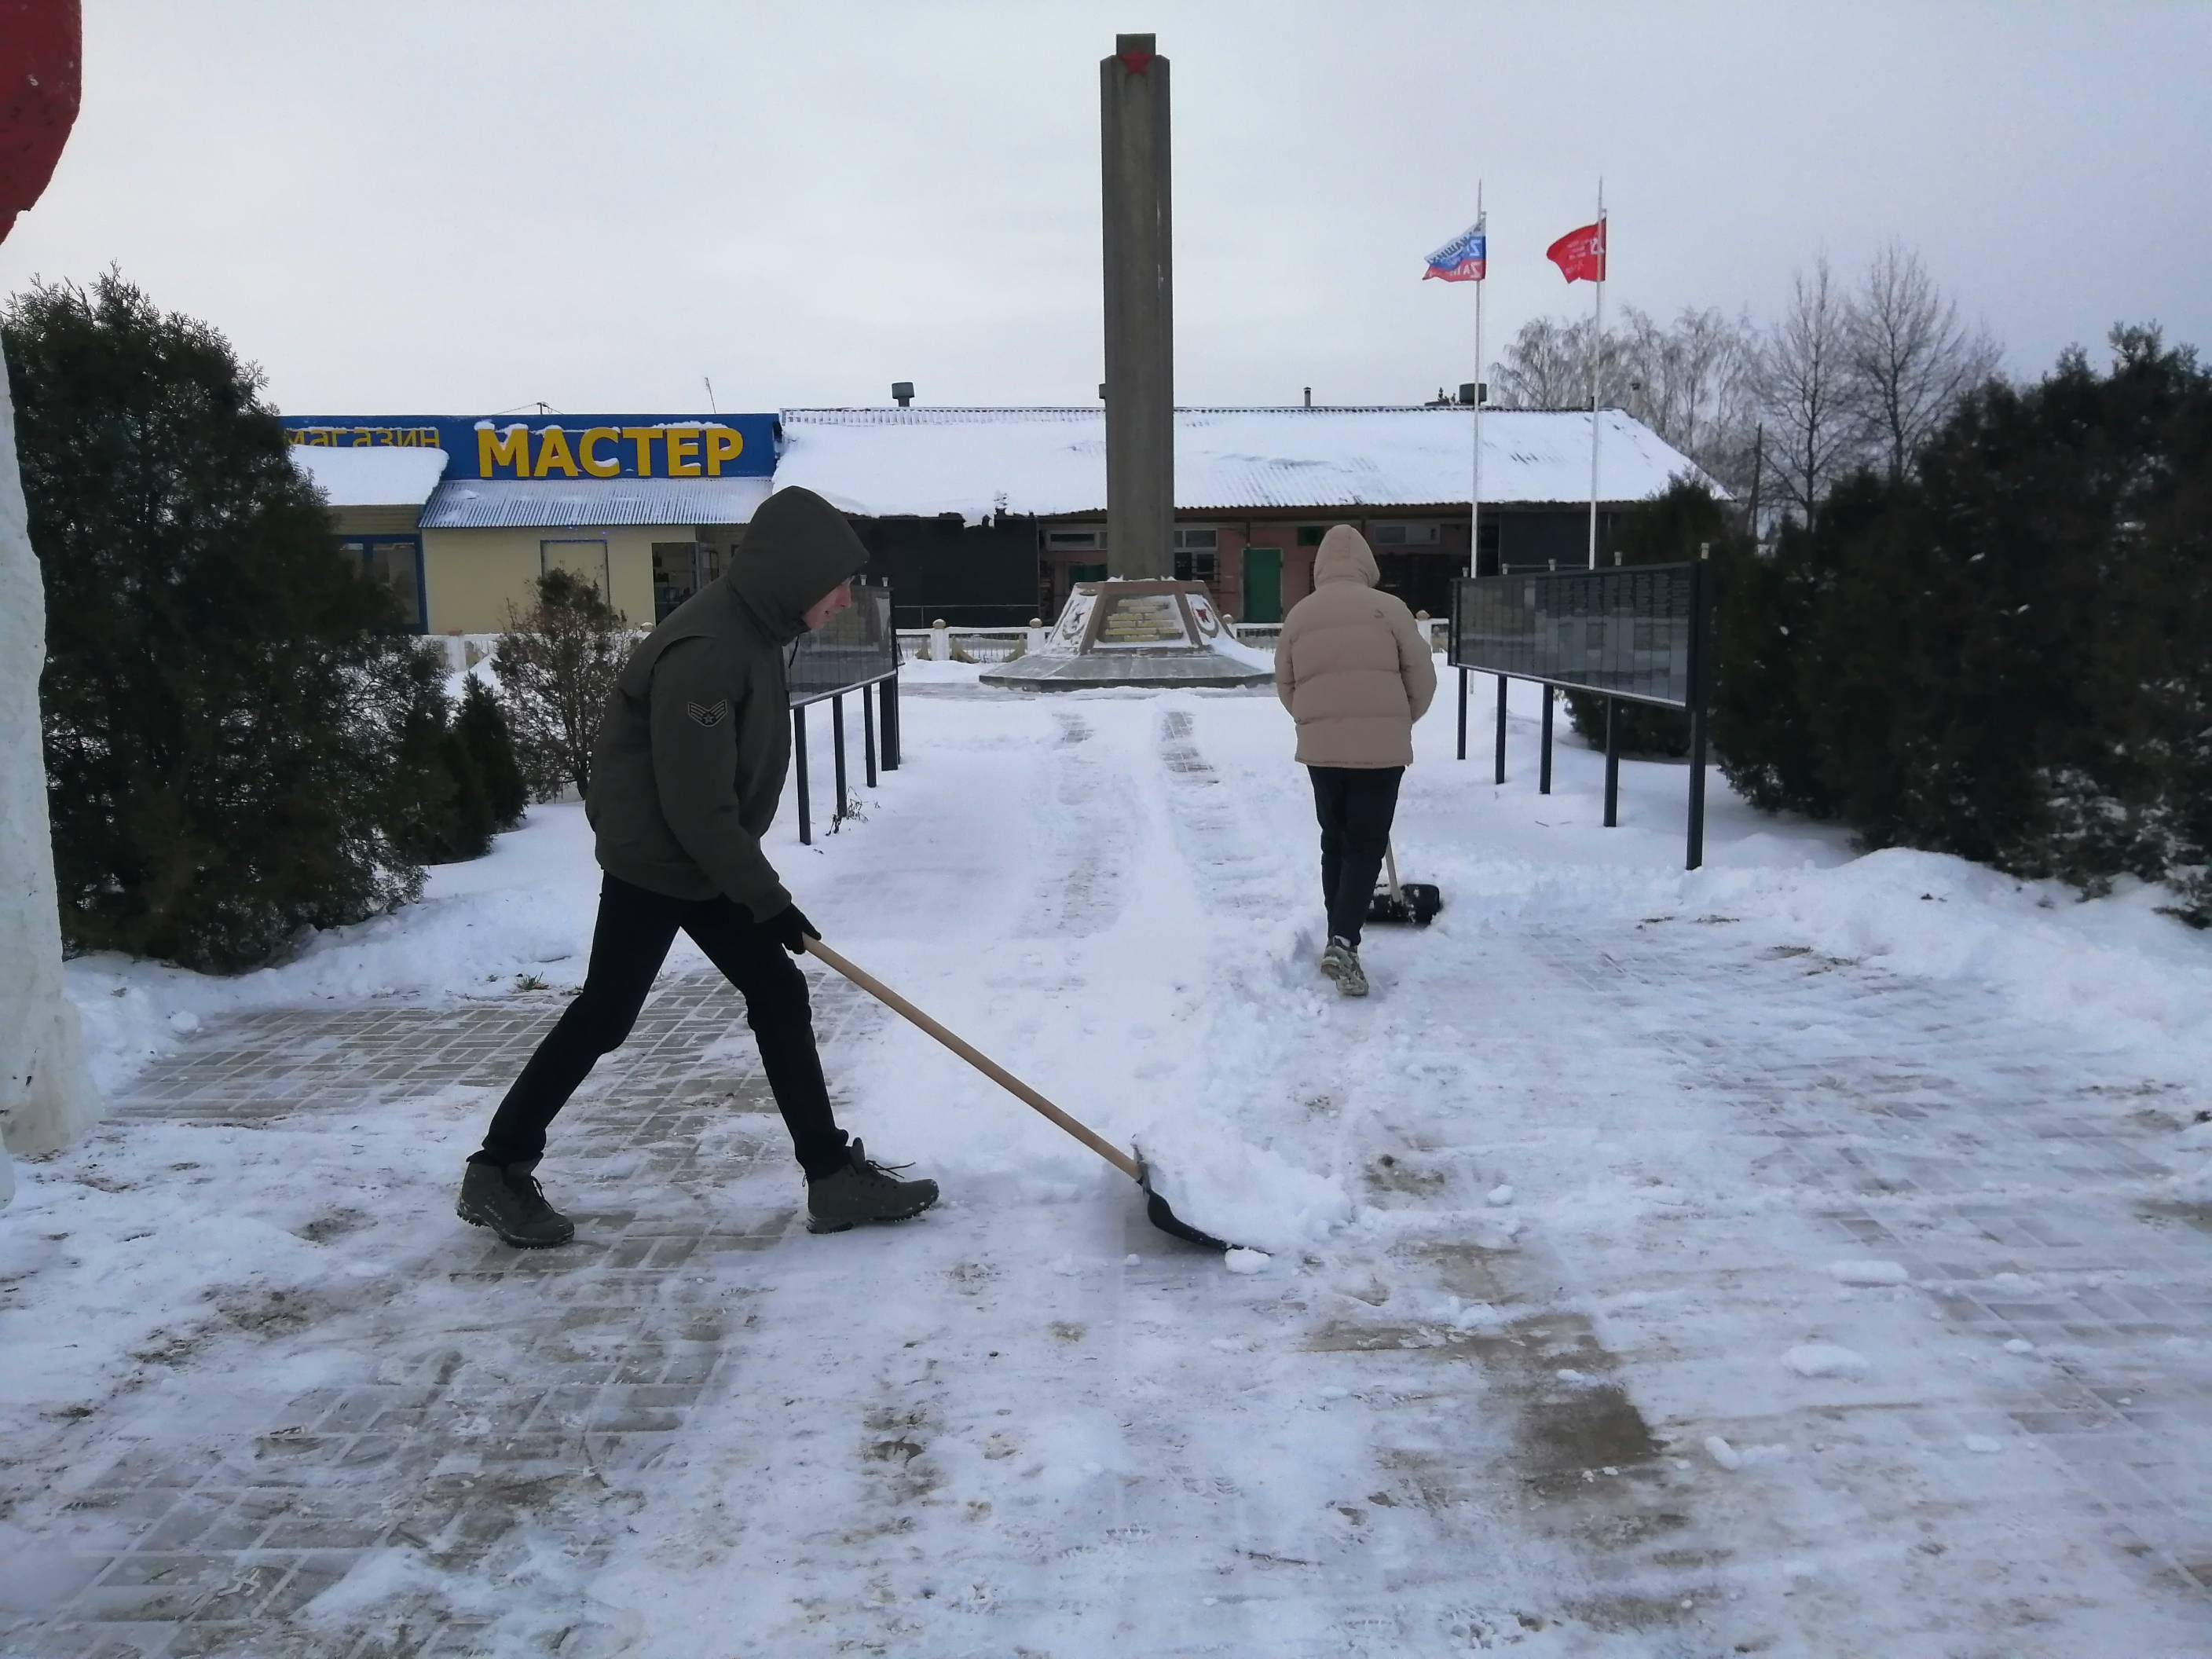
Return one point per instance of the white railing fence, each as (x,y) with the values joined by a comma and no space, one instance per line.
(975,645)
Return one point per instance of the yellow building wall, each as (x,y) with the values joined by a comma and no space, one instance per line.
(474,575)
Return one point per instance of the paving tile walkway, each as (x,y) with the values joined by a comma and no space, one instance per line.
(517,1410)
(420,1437)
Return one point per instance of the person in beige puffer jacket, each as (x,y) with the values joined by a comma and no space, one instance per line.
(1356,672)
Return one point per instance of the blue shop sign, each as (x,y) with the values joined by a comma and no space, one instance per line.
(563,446)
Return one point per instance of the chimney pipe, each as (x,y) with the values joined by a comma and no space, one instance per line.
(903,392)
(1309,396)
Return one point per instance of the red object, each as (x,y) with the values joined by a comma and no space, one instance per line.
(1580,254)
(41,45)
(1137,62)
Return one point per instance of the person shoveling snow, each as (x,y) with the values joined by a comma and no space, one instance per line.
(1356,672)
(686,776)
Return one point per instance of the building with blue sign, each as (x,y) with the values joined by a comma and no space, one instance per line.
(460,516)
(985,517)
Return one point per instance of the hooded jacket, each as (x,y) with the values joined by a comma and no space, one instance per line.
(690,763)
(1352,665)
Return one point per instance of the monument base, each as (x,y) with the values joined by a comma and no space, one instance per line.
(1135,633)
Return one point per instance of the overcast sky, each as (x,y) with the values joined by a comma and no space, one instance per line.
(467,206)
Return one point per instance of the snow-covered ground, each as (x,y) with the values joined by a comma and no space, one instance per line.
(1793,1256)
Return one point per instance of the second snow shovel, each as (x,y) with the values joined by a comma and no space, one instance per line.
(1416,901)
(1156,1207)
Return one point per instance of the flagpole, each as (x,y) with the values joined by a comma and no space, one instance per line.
(1474,504)
(1597,354)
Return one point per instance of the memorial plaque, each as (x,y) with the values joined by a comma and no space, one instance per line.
(1623,632)
(1143,620)
(856,647)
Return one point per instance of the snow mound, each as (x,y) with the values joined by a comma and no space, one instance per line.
(1870,1272)
(1220,1183)
(1825,1359)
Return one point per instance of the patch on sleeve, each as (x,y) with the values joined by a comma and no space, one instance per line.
(709,713)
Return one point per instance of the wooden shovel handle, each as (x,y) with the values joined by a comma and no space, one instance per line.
(1390,863)
(982,1062)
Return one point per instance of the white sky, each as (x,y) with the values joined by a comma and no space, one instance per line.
(470,205)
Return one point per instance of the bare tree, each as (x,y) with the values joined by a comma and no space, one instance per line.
(1690,382)
(1545,366)
(1910,358)
(1804,387)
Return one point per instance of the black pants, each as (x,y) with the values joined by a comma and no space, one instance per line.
(636,928)
(1355,805)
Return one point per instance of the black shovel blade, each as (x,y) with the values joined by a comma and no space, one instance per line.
(1415,905)
(1158,1212)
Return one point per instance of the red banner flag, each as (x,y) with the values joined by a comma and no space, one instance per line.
(1580,254)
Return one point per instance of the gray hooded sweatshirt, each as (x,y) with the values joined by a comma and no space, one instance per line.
(691,754)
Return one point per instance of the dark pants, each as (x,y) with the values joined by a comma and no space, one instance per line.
(1355,806)
(636,928)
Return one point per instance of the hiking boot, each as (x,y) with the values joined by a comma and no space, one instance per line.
(861,1190)
(508,1200)
(1340,963)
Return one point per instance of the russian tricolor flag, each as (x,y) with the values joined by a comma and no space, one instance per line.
(1465,258)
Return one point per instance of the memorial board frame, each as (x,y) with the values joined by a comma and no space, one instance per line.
(856,650)
(1637,634)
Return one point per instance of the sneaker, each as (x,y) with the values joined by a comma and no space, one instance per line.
(1340,963)
(862,1190)
(508,1200)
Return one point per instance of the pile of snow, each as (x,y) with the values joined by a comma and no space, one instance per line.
(371,476)
(1218,1183)
(1871,1273)
(1825,1359)
(46,1095)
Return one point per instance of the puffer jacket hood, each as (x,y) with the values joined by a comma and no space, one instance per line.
(1345,557)
(797,548)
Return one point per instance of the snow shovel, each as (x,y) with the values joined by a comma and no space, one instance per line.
(1416,901)
(1156,1207)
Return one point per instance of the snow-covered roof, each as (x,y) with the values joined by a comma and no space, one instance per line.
(886,463)
(538,503)
(371,476)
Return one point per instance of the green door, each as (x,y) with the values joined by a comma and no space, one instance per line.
(1086,572)
(1263,585)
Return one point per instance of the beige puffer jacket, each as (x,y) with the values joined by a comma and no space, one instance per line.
(1352,667)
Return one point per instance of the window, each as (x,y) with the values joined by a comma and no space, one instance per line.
(394,563)
(1074,541)
(1197,555)
(1407,535)
(587,559)
(676,575)
(1310,535)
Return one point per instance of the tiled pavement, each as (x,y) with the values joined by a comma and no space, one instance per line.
(1924,1140)
(2008,1171)
(603,1348)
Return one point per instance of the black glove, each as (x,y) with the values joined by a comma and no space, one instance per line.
(790,928)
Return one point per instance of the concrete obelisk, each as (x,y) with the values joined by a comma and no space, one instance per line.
(1133,101)
(1140,626)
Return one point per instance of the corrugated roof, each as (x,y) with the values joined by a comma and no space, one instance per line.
(1047,461)
(539,504)
(371,477)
